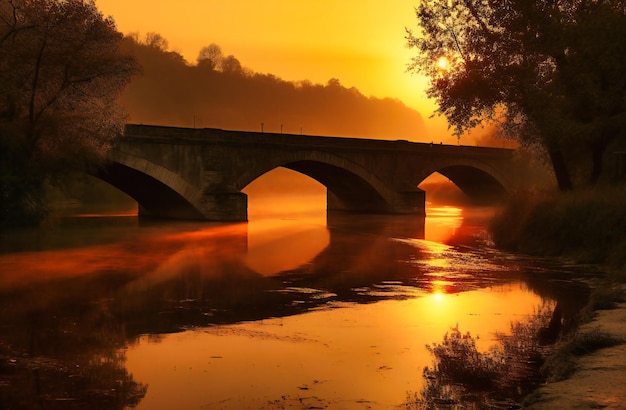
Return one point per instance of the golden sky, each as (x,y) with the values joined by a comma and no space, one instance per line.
(360,42)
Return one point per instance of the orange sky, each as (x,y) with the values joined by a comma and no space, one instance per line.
(360,42)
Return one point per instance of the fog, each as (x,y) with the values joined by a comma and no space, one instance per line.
(217,92)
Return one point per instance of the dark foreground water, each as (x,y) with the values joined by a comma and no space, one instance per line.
(307,312)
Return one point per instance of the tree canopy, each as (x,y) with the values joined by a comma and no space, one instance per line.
(61,74)
(549,72)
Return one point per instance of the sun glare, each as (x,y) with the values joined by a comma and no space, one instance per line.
(443,63)
(438,296)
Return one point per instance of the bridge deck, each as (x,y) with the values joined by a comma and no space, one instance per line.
(201,136)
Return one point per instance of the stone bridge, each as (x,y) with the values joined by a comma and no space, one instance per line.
(198,174)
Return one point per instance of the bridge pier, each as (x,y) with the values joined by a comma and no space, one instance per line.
(409,202)
(220,207)
(224,206)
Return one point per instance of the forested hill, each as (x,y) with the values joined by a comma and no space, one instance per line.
(217,92)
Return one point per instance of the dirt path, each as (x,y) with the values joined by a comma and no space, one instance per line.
(600,381)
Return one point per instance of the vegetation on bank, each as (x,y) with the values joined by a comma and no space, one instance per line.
(586,226)
(562,362)
(462,377)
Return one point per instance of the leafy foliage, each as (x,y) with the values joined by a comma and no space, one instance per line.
(61,74)
(547,72)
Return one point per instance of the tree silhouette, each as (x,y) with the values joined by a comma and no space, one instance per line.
(210,56)
(61,73)
(157,41)
(547,72)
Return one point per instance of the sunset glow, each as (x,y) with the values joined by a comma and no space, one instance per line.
(312,204)
(362,44)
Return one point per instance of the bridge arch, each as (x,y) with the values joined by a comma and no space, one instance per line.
(158,191)
(478,185)
(350,186)
(480,182)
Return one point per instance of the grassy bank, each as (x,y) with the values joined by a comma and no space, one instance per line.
(584,226)
(584,365)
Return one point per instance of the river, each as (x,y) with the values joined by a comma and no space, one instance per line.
(305,310)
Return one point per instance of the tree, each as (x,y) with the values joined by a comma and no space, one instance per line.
(157,41)
(231,65)
(547,71)
(211,56)
(61,73)
(594,81)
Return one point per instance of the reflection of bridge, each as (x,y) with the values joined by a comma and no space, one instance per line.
(199,173)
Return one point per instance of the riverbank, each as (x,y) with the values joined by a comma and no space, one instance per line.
(586,226)
(586,369)
(598,381)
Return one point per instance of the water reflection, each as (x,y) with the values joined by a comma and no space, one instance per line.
(464,377)
(442,223)
(350,356)
(275,246)
(252,315)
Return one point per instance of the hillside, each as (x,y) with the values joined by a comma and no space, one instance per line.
(217,92)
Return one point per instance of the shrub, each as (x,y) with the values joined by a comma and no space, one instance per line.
(464,378)
(458,361)
(586,226)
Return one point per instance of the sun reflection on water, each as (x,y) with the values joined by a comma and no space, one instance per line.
(442,223)
(335,353)
(346,356)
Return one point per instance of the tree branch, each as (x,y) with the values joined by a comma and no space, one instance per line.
(474,12)
(35,82)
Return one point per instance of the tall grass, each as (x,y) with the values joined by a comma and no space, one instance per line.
(462,377)
(562,363)
(586,226)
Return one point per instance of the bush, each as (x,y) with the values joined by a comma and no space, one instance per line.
(586,226)
(21,202)
(461,377)
(459,362)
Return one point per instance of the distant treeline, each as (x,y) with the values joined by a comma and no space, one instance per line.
(217,92)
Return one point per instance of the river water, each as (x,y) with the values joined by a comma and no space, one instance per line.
(305,310)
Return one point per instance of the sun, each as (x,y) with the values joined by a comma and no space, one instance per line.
(443,63)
